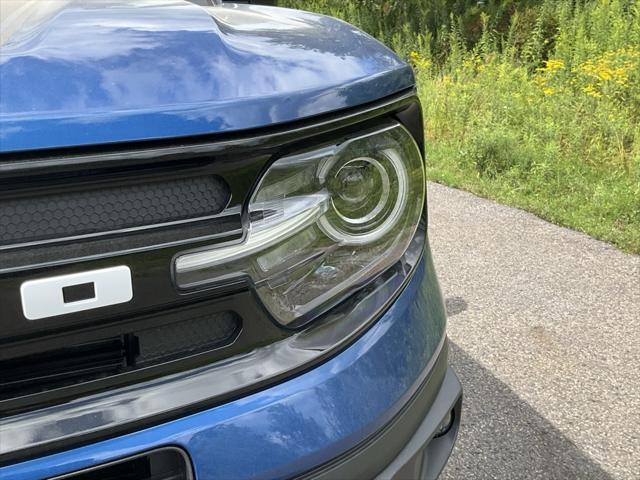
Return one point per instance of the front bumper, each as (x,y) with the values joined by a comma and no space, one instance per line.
(422,452)
(425,454)
(386,393)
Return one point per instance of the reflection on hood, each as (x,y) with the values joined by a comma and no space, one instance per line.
(218,68)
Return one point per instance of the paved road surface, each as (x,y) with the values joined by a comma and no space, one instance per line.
(545,331)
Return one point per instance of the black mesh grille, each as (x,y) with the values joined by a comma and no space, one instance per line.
(188,337)
(111,208)
(74,364)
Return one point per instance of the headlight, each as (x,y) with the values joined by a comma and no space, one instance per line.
(322,223)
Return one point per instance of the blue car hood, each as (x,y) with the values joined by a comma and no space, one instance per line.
(91,72)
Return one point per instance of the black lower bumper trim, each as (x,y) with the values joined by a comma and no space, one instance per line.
(406,448)
(424,456)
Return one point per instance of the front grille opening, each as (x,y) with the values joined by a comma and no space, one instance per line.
(165,464)
(66,366)
(80,211)
(74,364)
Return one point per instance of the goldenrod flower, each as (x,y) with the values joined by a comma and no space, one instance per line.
(552,65)
(419,61)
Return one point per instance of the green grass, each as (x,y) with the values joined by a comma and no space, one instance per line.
(535,106)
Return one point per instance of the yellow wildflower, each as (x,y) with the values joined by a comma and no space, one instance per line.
(552,65)
(419,61)
(591,91)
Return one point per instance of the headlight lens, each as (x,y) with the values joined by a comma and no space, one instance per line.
(322,223)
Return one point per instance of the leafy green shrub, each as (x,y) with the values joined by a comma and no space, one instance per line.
(493,152)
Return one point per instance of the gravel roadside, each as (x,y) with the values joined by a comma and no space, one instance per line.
(545,331)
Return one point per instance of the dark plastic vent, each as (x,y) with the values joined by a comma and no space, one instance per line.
(111,208)
(85,362)
(58,368)
(164,464)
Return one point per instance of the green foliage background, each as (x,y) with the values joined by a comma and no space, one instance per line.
(533,103)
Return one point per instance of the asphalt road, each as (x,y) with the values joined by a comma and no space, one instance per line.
(545,330)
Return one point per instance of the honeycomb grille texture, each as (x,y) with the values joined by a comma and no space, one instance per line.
(106,209)
(188,337)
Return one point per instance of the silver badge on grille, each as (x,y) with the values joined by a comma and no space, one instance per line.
(53,296)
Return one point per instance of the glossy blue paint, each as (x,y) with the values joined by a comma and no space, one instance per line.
(100,71)
(303,422)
